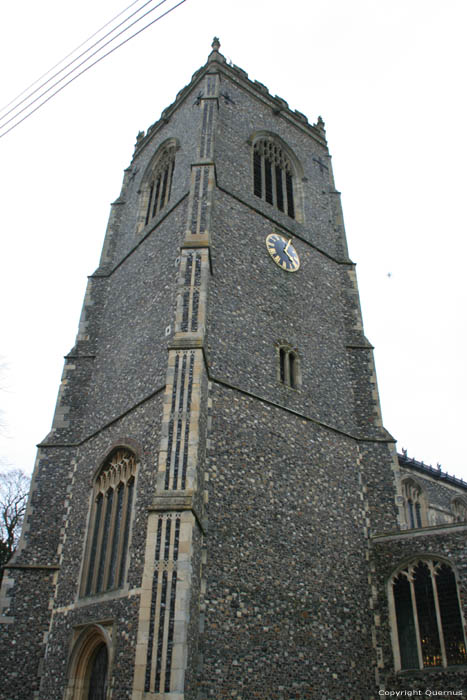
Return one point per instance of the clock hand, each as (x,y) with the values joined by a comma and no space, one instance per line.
(285,251)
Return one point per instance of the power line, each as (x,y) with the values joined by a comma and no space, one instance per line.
(20,111)
(68,56)
(87,67)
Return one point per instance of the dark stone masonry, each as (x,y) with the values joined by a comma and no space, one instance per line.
(218,512)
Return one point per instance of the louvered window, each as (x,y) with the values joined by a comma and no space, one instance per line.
(159,184)
(273,176)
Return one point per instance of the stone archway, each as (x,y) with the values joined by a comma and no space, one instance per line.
(89,665)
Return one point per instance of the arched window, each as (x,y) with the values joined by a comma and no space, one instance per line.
(109,530)
(273,175)
(157,186)
(429,630)
(459,509)
(413,503)
(289,367)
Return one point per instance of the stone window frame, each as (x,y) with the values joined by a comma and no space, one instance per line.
(156,183)
(434,563)
(288,365)
(108,539)
(459,509)
(264,143)
(415,503)
(87,641)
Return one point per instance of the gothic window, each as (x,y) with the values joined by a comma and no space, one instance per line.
(110,524)
(157,186)
(289,367)
(428,622)
(413,503)
(459,509)
(273,175)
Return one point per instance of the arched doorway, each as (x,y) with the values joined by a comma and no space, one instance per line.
(89,665)
(98,673)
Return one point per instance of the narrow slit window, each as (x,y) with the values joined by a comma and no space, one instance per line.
(257,174)
(292,370)
(289,367)
(282,361)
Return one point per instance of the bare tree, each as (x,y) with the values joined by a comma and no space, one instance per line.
(14,488)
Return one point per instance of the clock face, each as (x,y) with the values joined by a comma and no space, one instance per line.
(282,252)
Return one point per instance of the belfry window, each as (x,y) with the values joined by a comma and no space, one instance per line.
(156,192)
(289,367)
(429,626)
(109,530)
(413,503)
(273,179)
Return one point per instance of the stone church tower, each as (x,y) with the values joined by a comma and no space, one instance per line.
(217,510)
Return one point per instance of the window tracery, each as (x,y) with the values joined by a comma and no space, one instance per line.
(428,623)
(109,531)
(413,503)
(273,175)
(157,187)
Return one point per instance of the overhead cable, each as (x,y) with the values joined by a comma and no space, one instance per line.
(4,121)
(13,126)
(67,56)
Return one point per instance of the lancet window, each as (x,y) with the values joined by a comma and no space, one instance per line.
(429,630)
(414,504)
(273,175)
(109,530)
(289,367)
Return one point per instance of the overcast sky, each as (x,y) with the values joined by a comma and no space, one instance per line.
(388,78)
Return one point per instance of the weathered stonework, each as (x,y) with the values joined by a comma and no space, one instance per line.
(267,519)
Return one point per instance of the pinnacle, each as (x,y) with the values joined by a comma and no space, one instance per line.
(215,55)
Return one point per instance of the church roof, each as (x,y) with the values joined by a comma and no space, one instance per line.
(428,470)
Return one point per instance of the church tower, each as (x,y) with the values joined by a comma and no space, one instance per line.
(201,513)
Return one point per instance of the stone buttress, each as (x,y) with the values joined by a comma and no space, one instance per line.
(169,613)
